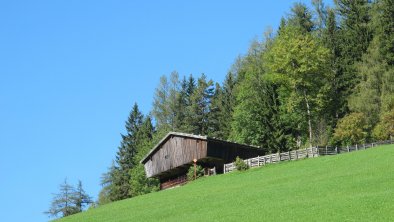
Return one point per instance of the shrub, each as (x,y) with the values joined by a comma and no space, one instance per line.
(199,172)
(385,128)
(351,129)
(240,164)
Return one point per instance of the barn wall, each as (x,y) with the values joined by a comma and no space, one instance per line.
(229,151)
(174,152)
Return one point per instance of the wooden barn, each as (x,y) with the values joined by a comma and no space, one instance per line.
(171,158)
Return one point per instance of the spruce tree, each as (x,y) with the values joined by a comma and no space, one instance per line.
(125,156)
(301,17)
(197,113)
(139,183)
(354,38)
(228,102)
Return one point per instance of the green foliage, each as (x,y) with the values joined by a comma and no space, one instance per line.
(199,172)
(298,62)
(140,184)
(354,37)
(69,200)
(352,129)
(301,18)
(166,105)
(385,128)
(324,76)
(240,164)
(356,186)
(198,110)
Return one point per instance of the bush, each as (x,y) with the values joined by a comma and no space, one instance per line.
(199,172)
(385,128)
(240,164)
(351,129)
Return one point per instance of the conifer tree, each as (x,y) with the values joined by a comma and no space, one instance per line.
(63,202)
(139,184)
(301,17)
(125,156)
(228,102)
(197,112)
(81,198)
(354,38)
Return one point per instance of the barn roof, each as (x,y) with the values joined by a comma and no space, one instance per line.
(157,147)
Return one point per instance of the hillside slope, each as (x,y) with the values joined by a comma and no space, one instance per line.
(357,186)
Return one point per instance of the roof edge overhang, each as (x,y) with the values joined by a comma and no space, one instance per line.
(157,146)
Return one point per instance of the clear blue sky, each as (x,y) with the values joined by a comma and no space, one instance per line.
(71,70)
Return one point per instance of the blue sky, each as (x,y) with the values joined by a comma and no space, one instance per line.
(71,70)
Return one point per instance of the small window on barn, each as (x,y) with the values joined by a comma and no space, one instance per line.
(166,157)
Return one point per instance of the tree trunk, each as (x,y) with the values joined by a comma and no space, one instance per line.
(308,110)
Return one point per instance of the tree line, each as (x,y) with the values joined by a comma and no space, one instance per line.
(326,76)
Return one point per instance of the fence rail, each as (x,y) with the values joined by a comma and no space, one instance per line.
(302,154)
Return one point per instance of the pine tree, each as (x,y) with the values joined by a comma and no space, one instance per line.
(81,198)
(384,28)
(301,17)
(125,156)
(321,16)
(197,117)
(228,102)
(106,182)
(354,38)
(181,105)
(139,184)
(63,202)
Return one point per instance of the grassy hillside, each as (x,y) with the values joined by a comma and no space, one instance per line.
(357,186)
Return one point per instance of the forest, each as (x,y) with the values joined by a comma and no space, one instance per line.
(324,77)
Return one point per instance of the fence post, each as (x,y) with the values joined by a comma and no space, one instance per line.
(348,150)
(356,147)
(296,154)
(364,146)
(224,169)
(326,149)
(336,150)
(289,156)
(258,160)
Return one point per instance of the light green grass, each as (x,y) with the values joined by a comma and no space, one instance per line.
(357,186)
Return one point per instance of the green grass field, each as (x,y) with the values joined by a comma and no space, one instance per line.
(357,186)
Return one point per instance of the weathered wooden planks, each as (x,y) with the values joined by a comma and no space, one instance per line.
(174,152)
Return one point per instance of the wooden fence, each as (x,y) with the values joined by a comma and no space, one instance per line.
(302,154)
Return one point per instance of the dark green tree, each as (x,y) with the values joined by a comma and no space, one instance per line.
(197,113)
(384,28)
(138,182)
(125,156)
(354,38)
(301,17)
(228,102)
